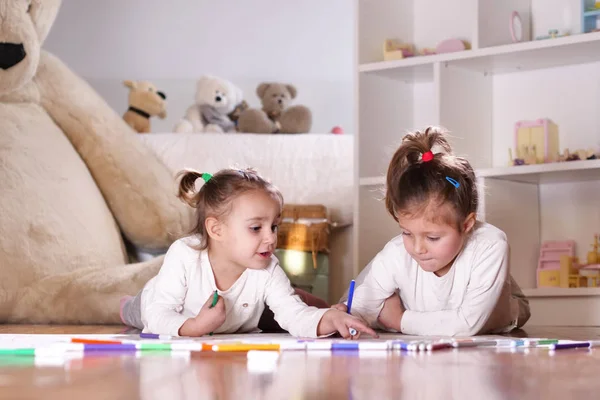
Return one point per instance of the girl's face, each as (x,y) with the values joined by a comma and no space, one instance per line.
(434,245)
(250,229)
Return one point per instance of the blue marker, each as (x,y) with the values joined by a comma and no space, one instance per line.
(350,295)
(344,346)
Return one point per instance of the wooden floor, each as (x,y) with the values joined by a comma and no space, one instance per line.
(449,374)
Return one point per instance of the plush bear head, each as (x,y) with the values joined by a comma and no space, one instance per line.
(25,25)
(218,93)
(144,96)
(275,97)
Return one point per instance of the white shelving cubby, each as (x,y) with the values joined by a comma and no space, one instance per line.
(478,95)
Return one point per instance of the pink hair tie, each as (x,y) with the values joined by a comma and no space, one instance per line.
(427,156)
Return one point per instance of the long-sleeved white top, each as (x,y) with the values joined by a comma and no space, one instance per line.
(473,297)
(186,281)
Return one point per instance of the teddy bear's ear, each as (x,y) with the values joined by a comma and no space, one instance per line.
(292,90)
(261,89)
(129,84)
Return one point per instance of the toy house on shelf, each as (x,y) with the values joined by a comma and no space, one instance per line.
(549,263)
(539,137)
(558,266)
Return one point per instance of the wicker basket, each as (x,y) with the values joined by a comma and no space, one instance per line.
(304,228)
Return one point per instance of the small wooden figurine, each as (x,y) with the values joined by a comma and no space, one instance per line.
(393,49)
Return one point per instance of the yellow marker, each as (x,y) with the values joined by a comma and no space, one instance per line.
(245,347)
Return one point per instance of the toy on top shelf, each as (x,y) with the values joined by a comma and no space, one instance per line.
(541,136)
(514,161)
(577,155)
(525,156)
(145,101)
(552,34)
(451,46)
(393,49)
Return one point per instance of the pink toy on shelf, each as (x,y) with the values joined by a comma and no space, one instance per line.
(337,130)
(541,135)
(548,269)
(450,46)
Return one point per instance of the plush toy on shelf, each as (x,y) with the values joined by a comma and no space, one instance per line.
(145,101)
(216,99)
(276,116)
(237,111)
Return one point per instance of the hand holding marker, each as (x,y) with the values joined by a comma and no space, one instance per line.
(350,295)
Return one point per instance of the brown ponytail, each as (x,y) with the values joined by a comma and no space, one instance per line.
(187,186)
(217,192)
(416,177)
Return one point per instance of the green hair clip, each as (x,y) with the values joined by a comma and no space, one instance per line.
(206,176)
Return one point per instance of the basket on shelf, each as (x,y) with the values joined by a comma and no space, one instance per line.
(304,228)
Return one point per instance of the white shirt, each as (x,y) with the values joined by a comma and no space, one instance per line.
(473,297)
(186,281)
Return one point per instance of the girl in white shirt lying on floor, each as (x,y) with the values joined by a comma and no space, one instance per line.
(446,273)
(230,254)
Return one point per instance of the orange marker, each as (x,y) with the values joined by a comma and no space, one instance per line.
(94,341)
(245,347)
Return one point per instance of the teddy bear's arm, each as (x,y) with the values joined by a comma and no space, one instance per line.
(139,189)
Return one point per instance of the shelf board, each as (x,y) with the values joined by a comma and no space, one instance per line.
(514,57)
(416,69)
(561,292)
(559,172)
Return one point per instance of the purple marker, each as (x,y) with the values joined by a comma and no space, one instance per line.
(575,345)
(109,347)
(155,336)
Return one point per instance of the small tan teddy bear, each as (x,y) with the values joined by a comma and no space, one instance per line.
(276,115)
(145,101)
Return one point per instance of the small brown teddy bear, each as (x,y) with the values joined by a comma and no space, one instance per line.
(276,115)
(144,101)
(237,111)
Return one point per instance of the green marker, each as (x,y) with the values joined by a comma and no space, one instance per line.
(214,303)
(215,299)
(155,347)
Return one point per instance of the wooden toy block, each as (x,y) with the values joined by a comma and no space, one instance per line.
(540,135)
(393,49)
(549,263)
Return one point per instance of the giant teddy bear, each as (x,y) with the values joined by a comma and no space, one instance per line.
(75,181)
(78,187)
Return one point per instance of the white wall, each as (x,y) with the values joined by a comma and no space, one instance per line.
(564,15)
(308,43)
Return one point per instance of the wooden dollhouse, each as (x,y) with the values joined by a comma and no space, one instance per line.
(558,266)
(540,136)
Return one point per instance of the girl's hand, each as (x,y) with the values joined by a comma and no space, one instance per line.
(208,319)
(341,307)
(336,320)
(391,314)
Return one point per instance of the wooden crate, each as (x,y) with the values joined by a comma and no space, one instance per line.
(304,228)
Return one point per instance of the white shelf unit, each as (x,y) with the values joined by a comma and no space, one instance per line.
(478,95)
